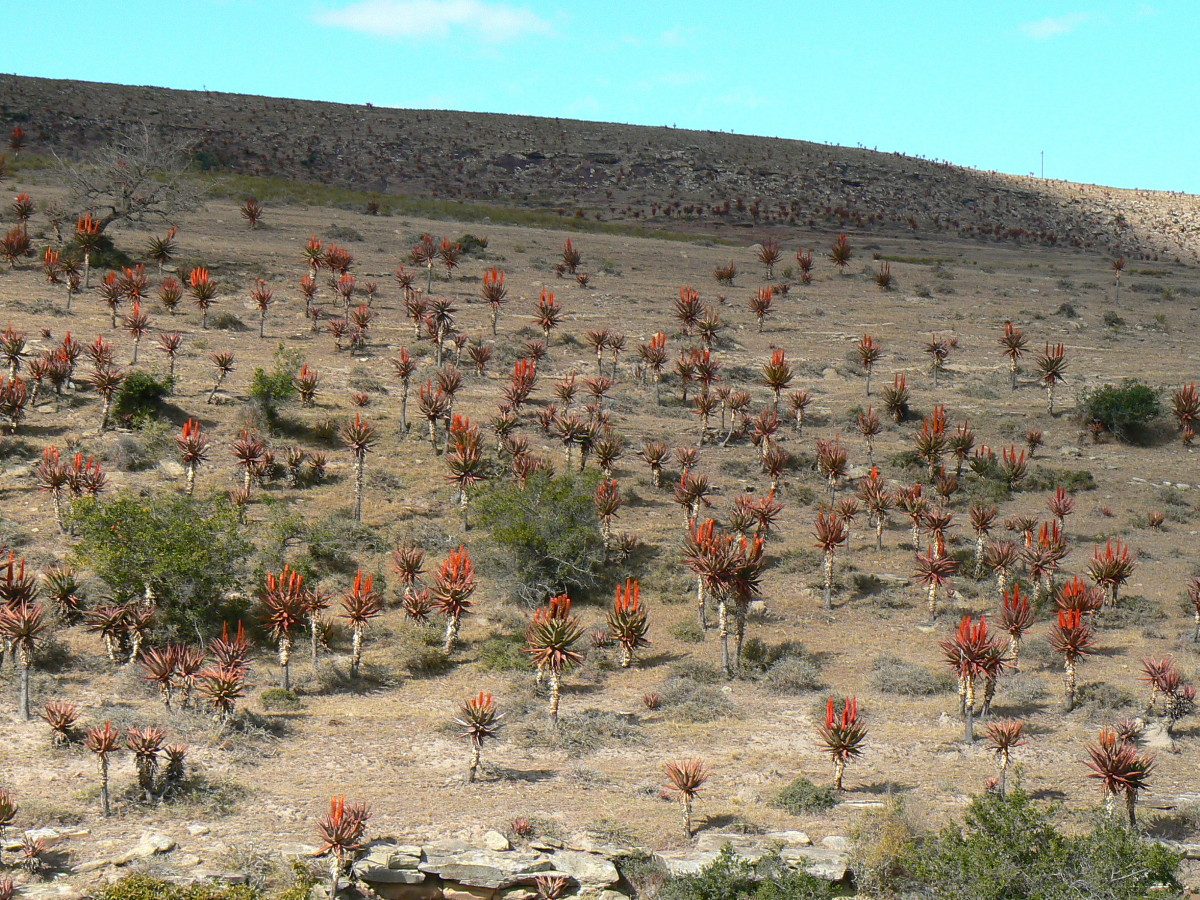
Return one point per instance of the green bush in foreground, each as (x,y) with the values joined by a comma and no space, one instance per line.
(729,877)
(547,534)
(1125,409)
(802,796)
(1008,848)
(186,555)
(144,887)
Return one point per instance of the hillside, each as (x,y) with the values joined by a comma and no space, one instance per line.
(701,180)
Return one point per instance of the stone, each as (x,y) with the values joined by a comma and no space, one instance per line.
(790,838)
(836,842)
(546,844)
(198,830)
(454,891)
(590,870)
(456,861)
(171,468)
(750,847)
(298,851)
(49,836)
(1155,736)
(50,892)
(832,865)
(186,861)
(518,893)
(151,844)
(494,840)
(429,890)
(92,865)
(683,862)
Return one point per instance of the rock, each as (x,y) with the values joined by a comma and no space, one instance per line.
(836,842)
(455,861)
(1156,736)
(855,473)
(298,851)
(453,891)
(590,870)
(92,865)
(750,847)
(186,861)
(546,845)
(50,892)
(198,830)
(171,468)
(832,865)
(430,890)
(494,840)
(49,836)
(518,893)
(386,862)
(151,844)
(683,862)
(790,838)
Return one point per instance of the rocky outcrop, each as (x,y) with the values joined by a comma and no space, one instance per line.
(830,861)
(454,870)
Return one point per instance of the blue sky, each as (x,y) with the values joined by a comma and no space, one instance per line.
(1108,89)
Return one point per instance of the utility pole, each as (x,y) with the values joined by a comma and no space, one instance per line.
(1043,165)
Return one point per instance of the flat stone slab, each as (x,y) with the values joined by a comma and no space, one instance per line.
(456,861)
(589,870)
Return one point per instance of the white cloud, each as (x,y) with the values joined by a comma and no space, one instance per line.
(492,22)
(1054,26)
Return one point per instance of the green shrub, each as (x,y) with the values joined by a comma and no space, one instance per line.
(892,675)
(1046,478)
(794,676)
(144,449)
(140,398)
(1008,848)
(227,321)
(270,390)
(333,545)
(504,652)
(729,877)
(147,887)
(802,796)
(189,554)
(547,535)
(278,698)
(1126,409)
(688,631)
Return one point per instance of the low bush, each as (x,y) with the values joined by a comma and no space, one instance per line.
(147,887)
(140,398)
(729,877)
(802,796)
(278,699)
(1008,847)
(892,675)
(1126,410)
(689,700)
(546,535)
(187,555)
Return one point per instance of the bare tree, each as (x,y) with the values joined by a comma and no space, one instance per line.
(140,176)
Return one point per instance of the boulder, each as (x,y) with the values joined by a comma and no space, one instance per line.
(151,844)
(589,870)
(494,840)
(428,890)
(456,861)
(452,890)
(832,865)
(684,862)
